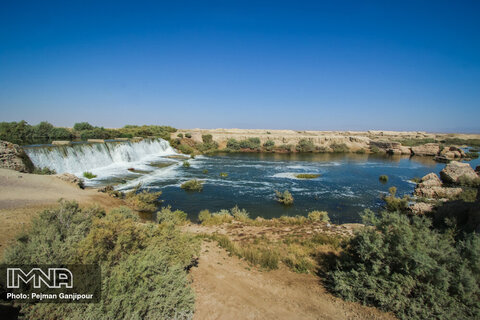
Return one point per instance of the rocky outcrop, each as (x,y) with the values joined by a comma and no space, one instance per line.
(440,193)
(452,153)
(430,180)
(421,207)
(13,157)
(454,170)
(391,147)
(428,149)
(70,178)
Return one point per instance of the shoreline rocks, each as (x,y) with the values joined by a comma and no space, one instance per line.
(12,156)
(454,171)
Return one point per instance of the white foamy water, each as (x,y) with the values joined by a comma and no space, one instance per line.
(109,159)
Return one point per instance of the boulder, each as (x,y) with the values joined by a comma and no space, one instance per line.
(13,157)
(428,149)
(454,170)
(430,180)
(421,207)
(438,192)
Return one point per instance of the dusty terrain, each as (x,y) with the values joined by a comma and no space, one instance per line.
(355,140)
(23,195)
(228,288)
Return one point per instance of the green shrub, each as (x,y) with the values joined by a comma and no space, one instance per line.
(188,135)
(205,171)
(80,126)
(233,144)
(375,149)
(318,216)
(204,215)
(392,203)
(383,178)
(180,135)
(307,176)
(469,182)
(166,215)
(403,266)
(89,175)
(285,198)
(143,201)
(360,151)
(185,149)
(44,171)
(207,138)
(186,164)
(240,214)
(472,155)
(250,143)
(223,174)
(339,147)
(305,145)
(285,147)
(269,145)
(192,185)
(416,142)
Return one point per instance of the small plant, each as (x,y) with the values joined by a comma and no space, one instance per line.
(186,164)
(375,149)
(205,171)
(318,216)
(192,185)
(307,176)
(285,198)
(89,175)
(223,174)
(360,151)
(305,145)
(383,178)
(166,215)
(269,145)
(392,203)
(188,135)
(416,179)
(339,147)
(240,214)
(472,155)
(207,138)
(143,201)
(180,135)
(44,171)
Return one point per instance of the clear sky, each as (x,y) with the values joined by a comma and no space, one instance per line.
(313,65)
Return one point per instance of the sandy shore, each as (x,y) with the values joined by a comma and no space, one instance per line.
(23,195)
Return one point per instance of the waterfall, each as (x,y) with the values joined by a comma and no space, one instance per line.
(81,157)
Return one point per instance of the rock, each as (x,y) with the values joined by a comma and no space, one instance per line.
(71,178)
(61,143)
(12,156)
(428,149)
(442,159)
(421,208)
(454,170)
(438,192)
(430,180)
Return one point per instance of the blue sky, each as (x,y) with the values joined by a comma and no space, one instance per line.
(313,65)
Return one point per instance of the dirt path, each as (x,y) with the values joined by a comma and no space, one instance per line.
(228,288)
(23,195)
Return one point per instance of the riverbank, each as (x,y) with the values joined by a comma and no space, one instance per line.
(24,195)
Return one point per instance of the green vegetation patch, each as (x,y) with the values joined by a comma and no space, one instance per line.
(192,185)
(307,175)
(89,175)
(383,178)
(44,171)
(284,198)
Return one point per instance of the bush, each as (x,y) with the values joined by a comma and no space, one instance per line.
(89,175)
(403,266)
(45,171)
(233,144)
(469,182)
(205,171)
(339,147)
(383,178)
(188,135)
(186,149)
(286,147)
(305,145)
(285,198)
(207,138)
(269,145)
(250,143)
(222,216)
(166,215)
(318,216)
(223,174)
(472,155)
(143,201)
(186,164)
(180,135)
(240,214)
(80,126)
(392,203)
(307,176)
(192,185)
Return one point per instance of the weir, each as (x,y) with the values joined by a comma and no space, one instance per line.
(81,157)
